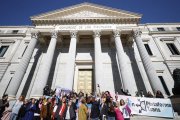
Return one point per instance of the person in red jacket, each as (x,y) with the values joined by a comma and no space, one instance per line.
(61,109)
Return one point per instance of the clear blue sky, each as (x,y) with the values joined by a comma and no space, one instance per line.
(18,12)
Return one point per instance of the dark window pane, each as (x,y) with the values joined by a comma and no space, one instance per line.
(24,50)
(173,48)
(3,50)
(148,49)
(178,28)
(164,85)
(8,84)
(161,29)
(15,31)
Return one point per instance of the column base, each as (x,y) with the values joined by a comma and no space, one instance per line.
(36,96)
(11,97)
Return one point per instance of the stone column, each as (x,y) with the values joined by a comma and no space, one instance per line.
(68,83)
(43,75)
(21,69)
(98,64)
(147,63)
(126,74)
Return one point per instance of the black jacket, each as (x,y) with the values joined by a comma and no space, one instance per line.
(104,110)
(3,105)
(58,110)
(72,111)
(95,112)
(22,111)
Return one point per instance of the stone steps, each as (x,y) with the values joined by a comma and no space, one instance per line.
(153,118)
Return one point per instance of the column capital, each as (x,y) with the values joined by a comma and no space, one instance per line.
(137,33)
(116,33)
(97,33)
(73,34)
(35,35)
(54,34)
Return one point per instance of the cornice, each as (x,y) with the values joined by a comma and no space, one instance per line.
(164,32)
(178,23)
(86,21)
(7,41)
(12,35)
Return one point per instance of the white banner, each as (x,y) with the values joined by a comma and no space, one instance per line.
(149,106)
(86,27)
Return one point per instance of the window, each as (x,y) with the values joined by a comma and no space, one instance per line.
(3,50)
(161,29)
(173,48)
(15,31)
(24,50)
(178,28)
(148,49)
(8,84)
(164,85)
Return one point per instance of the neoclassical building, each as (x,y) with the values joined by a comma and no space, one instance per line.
(88,47)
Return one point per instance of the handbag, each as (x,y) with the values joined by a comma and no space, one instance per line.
(6,114)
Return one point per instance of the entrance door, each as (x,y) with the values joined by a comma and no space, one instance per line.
(85,81)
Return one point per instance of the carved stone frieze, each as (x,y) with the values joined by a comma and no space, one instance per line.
(85,14)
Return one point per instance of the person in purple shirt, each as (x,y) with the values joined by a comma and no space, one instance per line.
(30,110)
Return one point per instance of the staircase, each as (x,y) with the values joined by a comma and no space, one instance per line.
(153,118)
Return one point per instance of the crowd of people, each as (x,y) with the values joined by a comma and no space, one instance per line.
(69,106)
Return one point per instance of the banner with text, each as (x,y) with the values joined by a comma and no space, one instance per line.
(149,106)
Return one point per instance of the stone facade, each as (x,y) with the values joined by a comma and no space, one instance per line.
(121,52)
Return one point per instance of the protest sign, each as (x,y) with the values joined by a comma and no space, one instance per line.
(149,106)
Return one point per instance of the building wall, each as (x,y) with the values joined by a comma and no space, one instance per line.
(162,58)
(10,60)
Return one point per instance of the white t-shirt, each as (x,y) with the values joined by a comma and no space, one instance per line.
(124,111)
(17,106)
(55,108)
(67,114)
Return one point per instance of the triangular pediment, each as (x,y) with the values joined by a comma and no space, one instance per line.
(85,12)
